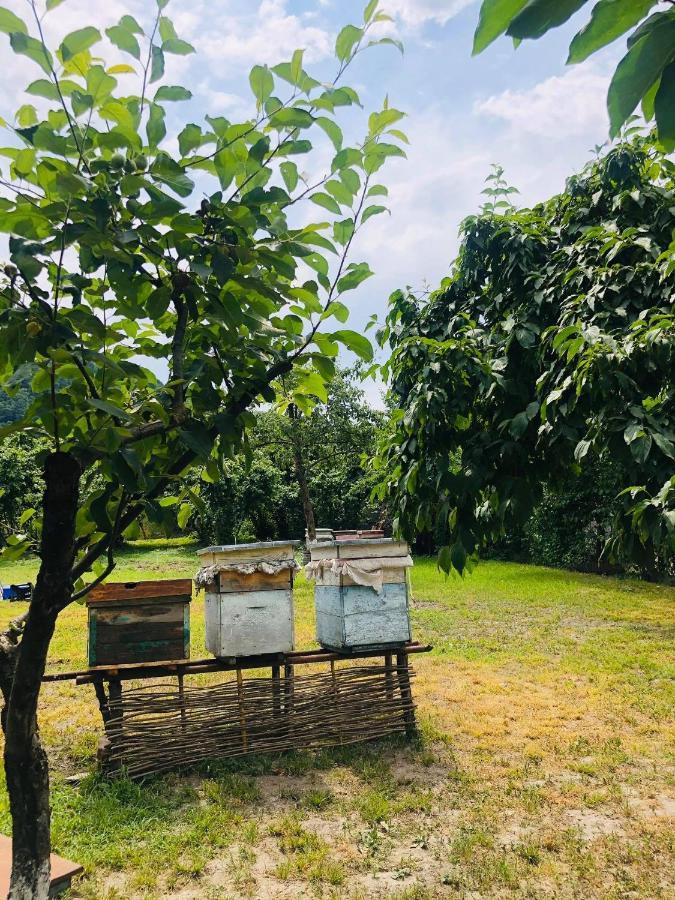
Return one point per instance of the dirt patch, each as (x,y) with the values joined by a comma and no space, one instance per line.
(593,824)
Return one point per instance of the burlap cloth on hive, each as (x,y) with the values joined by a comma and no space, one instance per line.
(207,575)
(367,572)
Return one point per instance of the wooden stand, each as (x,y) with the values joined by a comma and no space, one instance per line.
(156,728)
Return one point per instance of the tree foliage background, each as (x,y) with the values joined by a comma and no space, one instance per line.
(548,352)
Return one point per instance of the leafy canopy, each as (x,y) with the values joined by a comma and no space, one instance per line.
(549,348)
(645,75)
(127,258)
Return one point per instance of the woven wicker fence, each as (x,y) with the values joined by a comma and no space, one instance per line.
(159,728)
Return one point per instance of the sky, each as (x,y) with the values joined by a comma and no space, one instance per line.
(523,109)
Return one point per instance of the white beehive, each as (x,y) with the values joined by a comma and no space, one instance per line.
(249,598)
(361,593)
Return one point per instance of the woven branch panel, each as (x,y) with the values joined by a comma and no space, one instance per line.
(155,730)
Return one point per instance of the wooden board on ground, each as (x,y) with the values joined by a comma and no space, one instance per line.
(63,870)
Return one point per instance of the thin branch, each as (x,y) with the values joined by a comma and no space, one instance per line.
(147,64)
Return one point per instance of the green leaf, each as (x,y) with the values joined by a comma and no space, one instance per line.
(313,384)
(157,64)
(26,515)
(189,139)
(27,46)
(183,516)
(173,92)
(389,40)
(369,11)
(609,20)
(197,438)
(79,41)
(327,202)
(289,172)
(292,118)
(262,83)
(296,66)
(340,192)
(10,22)
(664,108)
(372,211)
(178,47)
(356,274)
(43,88)
(343,231)
(155,127)
(131,24)
(541,15)
(124,39)
(166,30)
(495,17)
(345,158)
(332,129)
(346,41)
(355,342)
(638,70)
(110,408)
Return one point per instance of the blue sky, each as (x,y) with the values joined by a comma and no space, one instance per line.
(523,109)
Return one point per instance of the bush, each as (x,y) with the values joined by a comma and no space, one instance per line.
(20,480)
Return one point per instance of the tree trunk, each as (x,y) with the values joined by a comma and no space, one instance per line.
(25,759)
(307,506)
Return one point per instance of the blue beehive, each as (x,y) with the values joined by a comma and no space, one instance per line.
(360,593)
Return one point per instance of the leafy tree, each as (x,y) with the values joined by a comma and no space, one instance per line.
(331,441)
(645,75)
(115,256)
(16,399)
(550,346)
(20,482)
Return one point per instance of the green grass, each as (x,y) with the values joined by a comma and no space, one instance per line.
(544,766)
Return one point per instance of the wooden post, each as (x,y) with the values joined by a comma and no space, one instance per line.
(406,694)
(181,700)
(288,695)
(242,717)
(388,676)
(276,690)
(116,720)
(335,697)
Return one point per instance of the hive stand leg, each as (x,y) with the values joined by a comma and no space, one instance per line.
(288,700)
(181,698)
(276,691)
(389,676)
(335,698)
(242,717)
(115,720)
(103,752)
(406,695)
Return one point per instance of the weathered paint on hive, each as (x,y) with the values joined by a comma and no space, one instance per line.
(139,622)
(356,616)
(249,623)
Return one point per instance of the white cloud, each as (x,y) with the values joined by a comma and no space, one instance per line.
(569,104)
(417,12)
(266,34)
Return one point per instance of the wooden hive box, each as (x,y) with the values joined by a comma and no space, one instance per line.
(136,622)
(249,611)
(351,615)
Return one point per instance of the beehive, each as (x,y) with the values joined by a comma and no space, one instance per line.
(136,622)
(249,598)
(352,613)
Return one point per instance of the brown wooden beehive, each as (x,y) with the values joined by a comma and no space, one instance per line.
(143,621)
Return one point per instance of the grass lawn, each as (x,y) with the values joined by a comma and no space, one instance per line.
(544,766)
